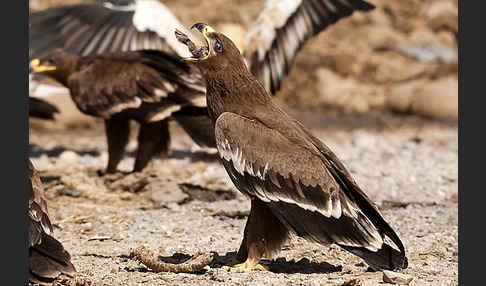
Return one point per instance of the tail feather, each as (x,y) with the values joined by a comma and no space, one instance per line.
(318,228)
(386,257)
(344,179)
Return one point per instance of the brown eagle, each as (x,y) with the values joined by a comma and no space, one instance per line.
(47,257)
(148,86)
(295,182)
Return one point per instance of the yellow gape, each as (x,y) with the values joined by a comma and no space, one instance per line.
(35,65)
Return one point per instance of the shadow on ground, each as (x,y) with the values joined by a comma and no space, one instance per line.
(281,265)
(35,151)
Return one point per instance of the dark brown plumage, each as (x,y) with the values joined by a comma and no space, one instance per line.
(47,257)
(296,184)
(148,86)
(41,109)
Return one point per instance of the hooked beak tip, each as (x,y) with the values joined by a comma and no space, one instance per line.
(199,26)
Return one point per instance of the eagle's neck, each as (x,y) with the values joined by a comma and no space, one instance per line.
(66,69)
(237,92)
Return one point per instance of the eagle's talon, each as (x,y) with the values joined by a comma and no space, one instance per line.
(245,267)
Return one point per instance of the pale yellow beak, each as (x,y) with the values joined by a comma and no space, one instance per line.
(205,29)
(37,68)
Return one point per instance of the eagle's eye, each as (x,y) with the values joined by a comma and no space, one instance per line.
(218,47)
(51,61)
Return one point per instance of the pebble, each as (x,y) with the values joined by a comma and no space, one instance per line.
(69,192)
(166,193)
(435,99)
(396,278)
(68,156)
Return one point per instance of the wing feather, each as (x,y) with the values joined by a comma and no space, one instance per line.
(294,181)
(98,28)
(283,27)
(154,82)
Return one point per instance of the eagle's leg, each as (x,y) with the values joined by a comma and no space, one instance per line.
(242,254)
(117,134)
(153,139)
(264,235)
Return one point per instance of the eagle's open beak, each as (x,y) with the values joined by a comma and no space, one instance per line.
(205,30)
(35,67)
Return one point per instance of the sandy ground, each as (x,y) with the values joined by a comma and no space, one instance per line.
(186,204)
(340,88)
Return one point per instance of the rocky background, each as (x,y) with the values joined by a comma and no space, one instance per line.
(380,89)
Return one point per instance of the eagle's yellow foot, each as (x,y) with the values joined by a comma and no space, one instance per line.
(245,267)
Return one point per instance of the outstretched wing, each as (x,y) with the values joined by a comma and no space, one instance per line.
(104,27)
(283,27)
(303,189)
(152,82)
(47,257)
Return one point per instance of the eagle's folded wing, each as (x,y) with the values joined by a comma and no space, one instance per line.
(294,181)
(147,79)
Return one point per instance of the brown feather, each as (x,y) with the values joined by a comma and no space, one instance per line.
(280,32)
(47,257)
(88,29)
(145,84)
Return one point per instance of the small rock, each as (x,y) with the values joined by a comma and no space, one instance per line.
(454,197)
(126,196)
(69,192)
(346,92)
(68,156)
(353,282)
(162,193)
(86,226)
(428,52)
(363,140)
(401,96)
(396,278)
(436,99)
(133,183)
